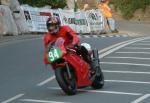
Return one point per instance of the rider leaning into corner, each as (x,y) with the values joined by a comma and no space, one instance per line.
(55,30)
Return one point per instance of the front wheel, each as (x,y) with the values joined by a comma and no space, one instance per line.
(67,84)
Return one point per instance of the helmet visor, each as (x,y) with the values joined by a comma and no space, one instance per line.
(51,27)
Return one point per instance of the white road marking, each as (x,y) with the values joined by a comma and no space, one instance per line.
(13,98)
(125,35)
(135,48)
(132,52)
(142,44)
(112,92)
(145,41)
(132,82)
(111,36)
(137,58)
(100,91)
(118,35)
(41,101)
(121,46)
(128,72)
(118,63)
(86,36)
(103,36)
(46,81)
(95,36)
(142,98)
(112,46)
(115,45)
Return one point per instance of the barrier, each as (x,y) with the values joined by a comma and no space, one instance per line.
(36,18)
(7,23)
(95,21)
(82,25)
(68,18)
(20,21)
(81,22)
(25,19)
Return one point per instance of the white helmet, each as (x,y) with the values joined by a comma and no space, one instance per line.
(88,47)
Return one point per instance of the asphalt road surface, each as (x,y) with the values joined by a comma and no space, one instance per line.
(125,62)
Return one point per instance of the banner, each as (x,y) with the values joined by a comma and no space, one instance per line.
(95,20)
(68,18)
(82,25)
(81,22)
(36,18)
(101,18)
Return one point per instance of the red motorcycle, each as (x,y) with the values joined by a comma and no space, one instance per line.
(71,70)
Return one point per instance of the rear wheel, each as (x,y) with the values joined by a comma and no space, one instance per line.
(98,81)
(67,84)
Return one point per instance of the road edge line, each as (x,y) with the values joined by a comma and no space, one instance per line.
(13,98)
(140,99)
(46,81)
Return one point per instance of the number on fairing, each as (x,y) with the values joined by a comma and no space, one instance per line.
(51,56)
(54,55)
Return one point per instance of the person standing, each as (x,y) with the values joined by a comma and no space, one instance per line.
(107,12)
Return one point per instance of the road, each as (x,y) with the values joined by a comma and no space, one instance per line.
(124,60)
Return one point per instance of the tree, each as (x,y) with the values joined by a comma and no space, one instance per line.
(40,3)
(128,7)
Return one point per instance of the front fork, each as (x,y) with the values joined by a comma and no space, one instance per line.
(68,70)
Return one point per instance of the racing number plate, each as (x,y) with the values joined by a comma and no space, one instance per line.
(54,54)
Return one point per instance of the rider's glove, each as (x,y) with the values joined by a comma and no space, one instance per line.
(72,46)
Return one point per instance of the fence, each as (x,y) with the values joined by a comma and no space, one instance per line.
(81,22)
(31,19)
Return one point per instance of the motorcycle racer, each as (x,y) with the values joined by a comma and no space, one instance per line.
(55,30)
(75,66)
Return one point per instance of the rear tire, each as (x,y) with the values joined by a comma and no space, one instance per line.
(69,86)
(98,82)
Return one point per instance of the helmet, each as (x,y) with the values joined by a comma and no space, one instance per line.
(53,24)
(88,47)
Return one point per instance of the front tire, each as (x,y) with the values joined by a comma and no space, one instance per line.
(69,86)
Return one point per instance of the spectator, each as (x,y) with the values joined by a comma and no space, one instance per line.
(86,6)
(107,12)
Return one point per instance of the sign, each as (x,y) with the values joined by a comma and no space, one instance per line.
(36,18)
(68,18)
(81,22)
(94,20)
